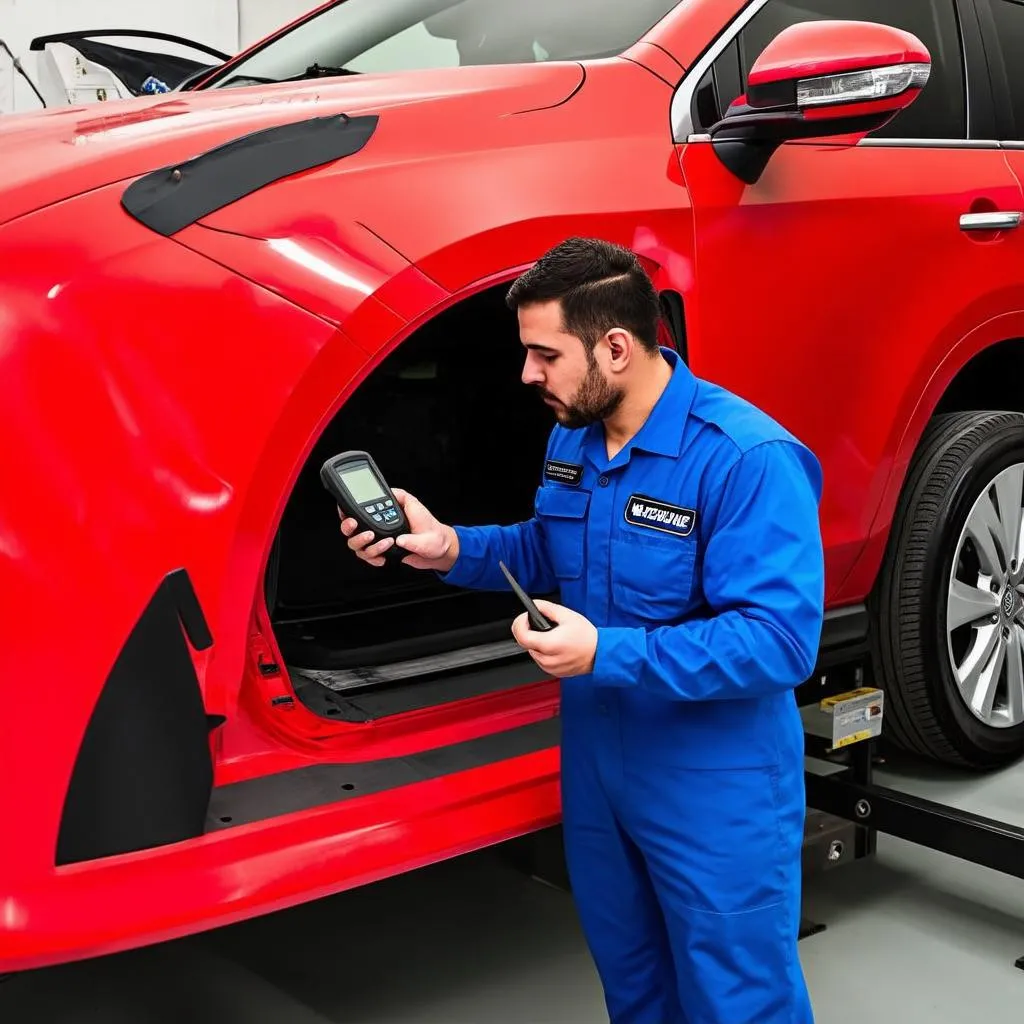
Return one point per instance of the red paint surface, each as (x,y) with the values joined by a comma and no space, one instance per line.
(162,394)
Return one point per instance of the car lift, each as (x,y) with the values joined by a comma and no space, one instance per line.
(851,805)
(846,809)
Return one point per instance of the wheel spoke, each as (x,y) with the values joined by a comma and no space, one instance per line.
(968,604)
(983,527)
(979,673)
(1015,676)
(1009,485)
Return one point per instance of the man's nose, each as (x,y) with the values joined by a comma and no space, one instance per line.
(531,373)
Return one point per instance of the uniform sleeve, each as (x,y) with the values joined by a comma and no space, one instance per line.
(763,581)
(521,546)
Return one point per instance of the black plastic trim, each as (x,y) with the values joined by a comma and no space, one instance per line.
(1003,122)
(781,94)
(304,788)
(845,626)
(746,140)
(672,309)
(417,694)
(175,197)
(844,646)
(40,42)
(144,772)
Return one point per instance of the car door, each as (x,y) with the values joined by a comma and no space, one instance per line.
(830,291)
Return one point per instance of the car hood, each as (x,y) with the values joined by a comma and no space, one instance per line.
(54,155)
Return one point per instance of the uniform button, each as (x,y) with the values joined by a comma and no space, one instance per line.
(603,481)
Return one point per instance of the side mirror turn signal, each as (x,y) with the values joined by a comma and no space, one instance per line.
(819,79)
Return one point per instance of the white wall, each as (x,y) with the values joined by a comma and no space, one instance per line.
(226,25)
(258,18)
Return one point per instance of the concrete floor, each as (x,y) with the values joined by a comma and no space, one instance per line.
(912,936)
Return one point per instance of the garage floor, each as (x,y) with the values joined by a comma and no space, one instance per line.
(912,936)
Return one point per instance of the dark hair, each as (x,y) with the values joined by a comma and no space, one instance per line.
(600,286)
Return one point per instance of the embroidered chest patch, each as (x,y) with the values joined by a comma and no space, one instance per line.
(563,472)
(657,515)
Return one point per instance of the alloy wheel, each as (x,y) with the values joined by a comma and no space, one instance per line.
(985,603)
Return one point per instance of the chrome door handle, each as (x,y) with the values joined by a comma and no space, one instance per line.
(997,220)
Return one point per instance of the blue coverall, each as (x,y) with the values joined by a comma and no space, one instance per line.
(697,554)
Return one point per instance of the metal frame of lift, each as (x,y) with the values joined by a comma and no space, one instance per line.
(846,808)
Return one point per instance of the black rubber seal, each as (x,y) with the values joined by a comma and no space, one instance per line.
(173,198)
(41,42)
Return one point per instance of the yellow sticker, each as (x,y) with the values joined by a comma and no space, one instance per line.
(864,734)
(830,702)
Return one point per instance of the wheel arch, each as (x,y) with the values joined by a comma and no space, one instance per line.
(988,380)
(953,385)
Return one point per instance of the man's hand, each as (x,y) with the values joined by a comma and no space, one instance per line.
(565,651)
(431,544)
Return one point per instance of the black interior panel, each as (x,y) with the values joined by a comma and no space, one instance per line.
(446,417)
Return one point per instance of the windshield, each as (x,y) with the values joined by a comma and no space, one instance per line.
(361,36)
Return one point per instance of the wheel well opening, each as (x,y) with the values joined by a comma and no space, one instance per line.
(447,418)
(991,380)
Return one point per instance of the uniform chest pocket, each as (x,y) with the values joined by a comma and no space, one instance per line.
(563,514)
(652,573)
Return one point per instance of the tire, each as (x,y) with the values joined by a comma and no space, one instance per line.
(958,461)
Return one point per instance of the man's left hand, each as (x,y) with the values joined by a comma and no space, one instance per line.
(568,649)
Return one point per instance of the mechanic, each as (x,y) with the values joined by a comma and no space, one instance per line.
(679,525)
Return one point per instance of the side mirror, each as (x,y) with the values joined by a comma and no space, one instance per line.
(819,79)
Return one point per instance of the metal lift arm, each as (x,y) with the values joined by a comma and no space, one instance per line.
(848,791)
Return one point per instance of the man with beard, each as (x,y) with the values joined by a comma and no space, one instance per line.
(680,526)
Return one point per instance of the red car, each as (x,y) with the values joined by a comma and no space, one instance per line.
(212,710)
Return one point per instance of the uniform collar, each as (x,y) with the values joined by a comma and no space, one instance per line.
(663,430)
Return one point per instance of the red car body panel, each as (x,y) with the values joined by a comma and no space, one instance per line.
(849,206)
(164,393)
(128,901)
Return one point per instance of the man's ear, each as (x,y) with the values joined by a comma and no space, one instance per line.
(621,345)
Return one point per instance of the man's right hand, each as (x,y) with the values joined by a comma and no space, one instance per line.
(431,544)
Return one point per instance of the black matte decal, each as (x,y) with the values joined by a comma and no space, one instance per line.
(174,197)
(144,773)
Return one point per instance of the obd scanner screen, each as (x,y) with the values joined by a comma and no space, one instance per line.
(362,493)
(365,489)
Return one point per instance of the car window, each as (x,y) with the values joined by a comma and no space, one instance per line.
(359,36)
(1009,24)
(938,113)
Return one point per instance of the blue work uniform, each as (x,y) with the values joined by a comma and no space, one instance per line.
(696,552)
